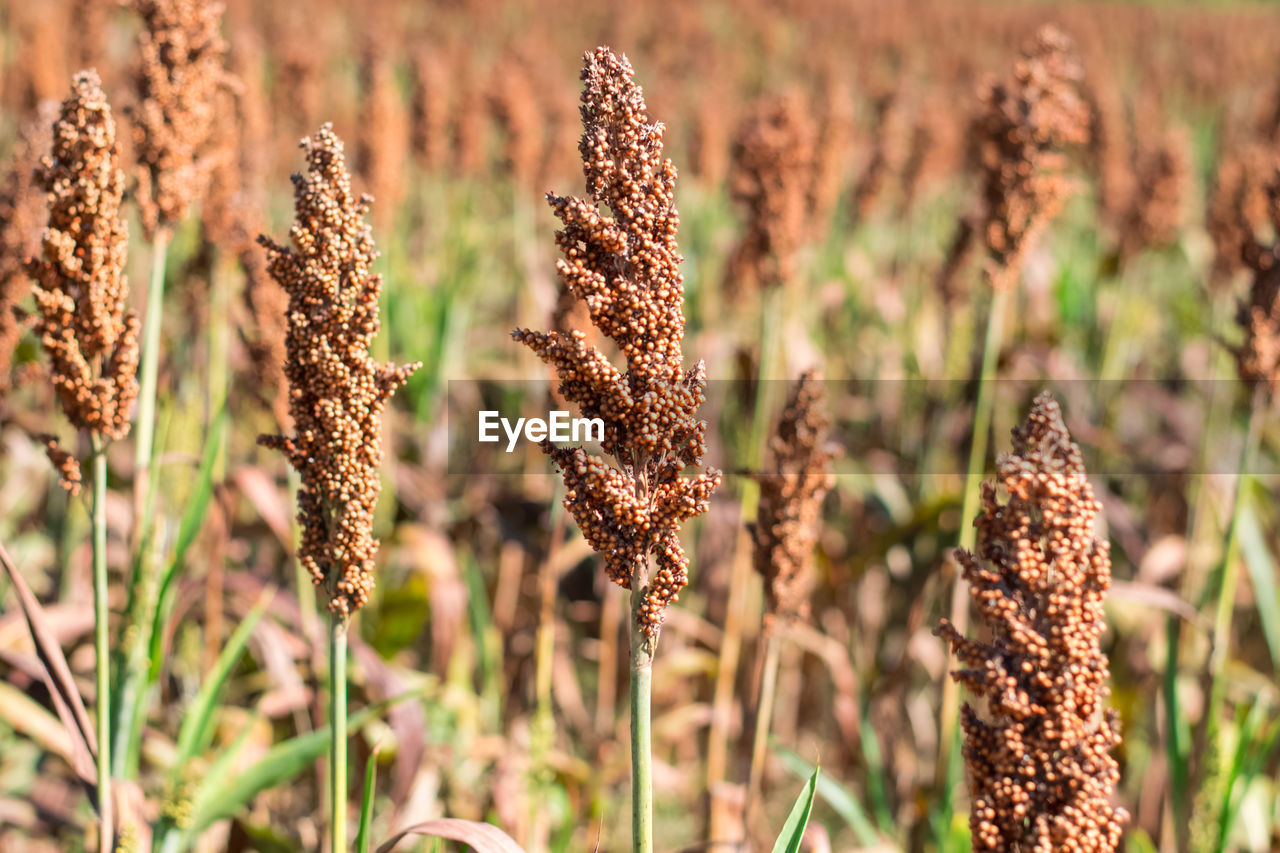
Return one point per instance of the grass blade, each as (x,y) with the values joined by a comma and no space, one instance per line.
(278,765)
(841,801)
(194,735)
(793,830)
(1262,574)
(366,802)
(192,519)
(1254,745)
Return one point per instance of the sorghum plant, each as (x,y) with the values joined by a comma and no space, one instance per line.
(1236,205)
(179,74)
(1258,365)
(1024,125)
(178,77)
(337,394)
(625,267)
(788,516)
(1162,170)
(770,177)
(936,148)
(788,521)
(1019,134)
(1041,774)
(512,101)
(89,337)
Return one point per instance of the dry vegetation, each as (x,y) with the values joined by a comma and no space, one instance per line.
(930,337)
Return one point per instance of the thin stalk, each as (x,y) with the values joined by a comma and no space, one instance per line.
(338,728)
(149,369)
(764,718)
(948,767)
(102,641)
(642,649)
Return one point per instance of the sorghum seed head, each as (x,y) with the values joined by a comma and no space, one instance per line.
(788,519)
(80,290)
(771,178)
(337,392)
(1041,775)
(178,77)
(625,268)
(1021,129)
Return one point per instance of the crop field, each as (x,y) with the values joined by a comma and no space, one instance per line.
(785,425)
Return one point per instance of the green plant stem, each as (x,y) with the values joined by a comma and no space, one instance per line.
(338,726)
(149,369)
(764,719)
(102,640)
(948,768)
(642,649)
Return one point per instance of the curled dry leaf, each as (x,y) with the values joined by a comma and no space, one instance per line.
(57,676)
(482,837)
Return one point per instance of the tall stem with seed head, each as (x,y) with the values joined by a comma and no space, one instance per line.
(178,76)
(1024,124)
(630,504)
(90,339)
(337,395)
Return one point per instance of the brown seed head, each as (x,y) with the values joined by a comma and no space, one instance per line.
(178,77)
(789,516)
(770,178)
(66,464)
(1237,206)
(625,267)
(80,290)
(1162,171)
(337,392)
(1041,775)
(1024,124)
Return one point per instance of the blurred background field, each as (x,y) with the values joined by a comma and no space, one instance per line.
(459,117)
